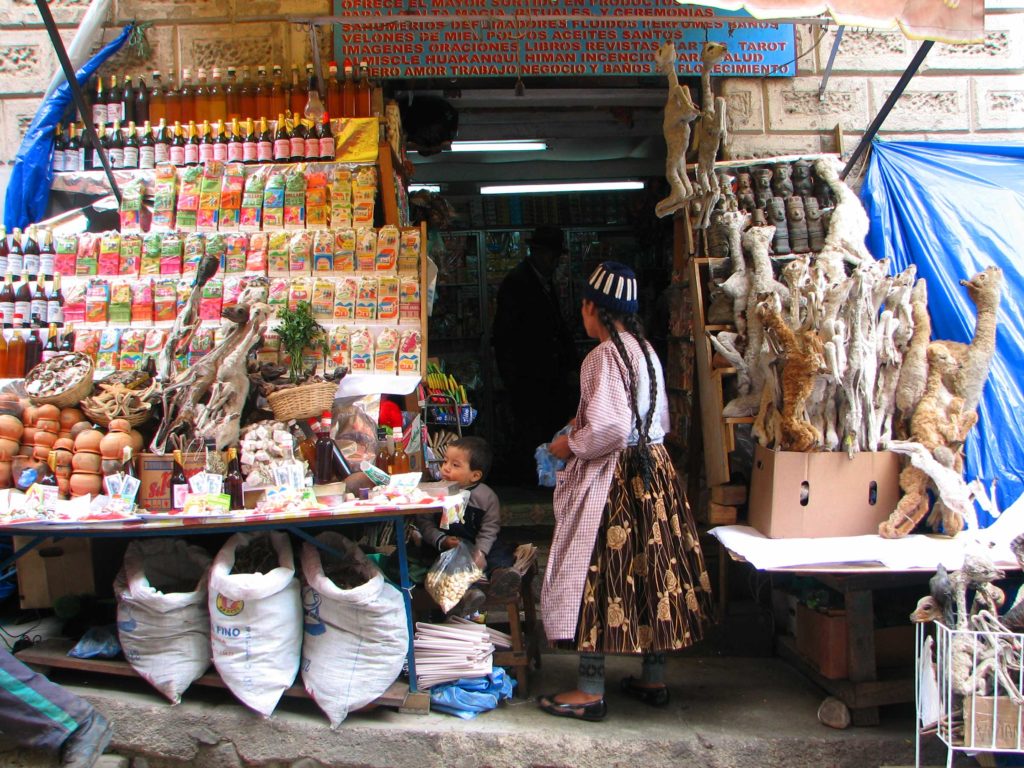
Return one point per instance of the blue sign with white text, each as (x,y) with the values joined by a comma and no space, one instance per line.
(531,38)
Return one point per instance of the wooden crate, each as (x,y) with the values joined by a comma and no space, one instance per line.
(53,570)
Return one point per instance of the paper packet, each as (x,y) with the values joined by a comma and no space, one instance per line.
(385,358)
(323,251)
(346,293)
(409,251)
(344,251)
(151,245)
(409,352)
(361,350)
(110,253)
(387,249)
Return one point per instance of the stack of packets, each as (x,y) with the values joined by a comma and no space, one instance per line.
(206,497)
(233,197)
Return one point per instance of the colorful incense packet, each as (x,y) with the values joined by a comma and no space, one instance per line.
(387,249)
(65,262)
(409,352)
(300,252)
(110,253)
(323,299)
(165,185)
(171,249)
(130,261)
(151,245)
(97,302)
(366,249)
(346,293)
(251,214)
(338,349)
(385,358)
(295,200)
(273,202)
(341,199)
(364,191)
(409,298)
(323,251)
(107,357)
(231,190)
(131,205)
(120,310)
(409,251)
(387,298)
(87,259)
(208,215)
(344,251)
(188,198)
(318,210)
(278,255)
(366,301)
(361,350)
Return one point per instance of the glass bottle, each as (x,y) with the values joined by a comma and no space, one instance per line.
(172,102)
(247,97)
(6,302)
(323,472)
(282,141)
(128,462)
(364,92)
(235,149)
(127,100)
(298,141)
(162,138)
(99,104)
(16,352)
(192,145)
(147,147)
(250,144)
(15,256)
(141,102)
(47,254)
(50,348)
(187,97)
(115,147)
(314,107)
(131,147)
(67,341)
(348,92)
(201,96)
(307,447)
(37,306)
(217,99)
(30,247)
(3,355)
(312,151)
(59,150)
(326,139)
(400,462)
(261,93)
(176,152)
(333,90)
(233,480)
(73,155)
(296,93)
(115,109)
(179,483)
(383,460)
(157,103)
(5,250)
(55,304)
(33,351)
(232,96)
(265,145)
(278,97)
(205,143)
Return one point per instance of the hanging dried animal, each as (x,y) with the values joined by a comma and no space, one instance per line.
(680,111)
(712,131)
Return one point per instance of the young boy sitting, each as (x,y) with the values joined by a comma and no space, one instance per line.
(467,462)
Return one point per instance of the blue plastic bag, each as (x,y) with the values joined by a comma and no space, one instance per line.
(28,190)
(97,643)
(468,697)
(547,464)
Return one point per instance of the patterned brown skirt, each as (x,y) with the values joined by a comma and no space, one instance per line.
(647,589)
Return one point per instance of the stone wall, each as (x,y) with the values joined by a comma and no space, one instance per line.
(973,93)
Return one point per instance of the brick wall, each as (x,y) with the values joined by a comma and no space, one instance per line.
(973,92)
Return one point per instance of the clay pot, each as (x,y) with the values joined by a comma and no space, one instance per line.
(69,417)
(5,473)
(63,458)
(63,487)
(119,425)
(45,438)
(115,441)
(63,472)
(111,466)
(48,412)
(8,448)
(79,428)
(28,437)
(48,425)
(29,415)
(88,440)
(137,442)
(41,452)
(11,427)
(64,444)
(67,435)
(86,461)
(85,484)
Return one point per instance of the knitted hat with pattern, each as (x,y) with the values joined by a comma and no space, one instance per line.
(613,286)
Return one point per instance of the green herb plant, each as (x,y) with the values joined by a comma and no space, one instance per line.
(300,331)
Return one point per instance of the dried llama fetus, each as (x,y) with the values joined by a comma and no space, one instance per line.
(914,370)
(712,129)
(680,111)
(848,224)
(717,236)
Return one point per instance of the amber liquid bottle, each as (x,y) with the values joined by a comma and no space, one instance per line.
(333,90)
(296,94)
(172,102)
(247,97)
(364,93)
(201,97)
(348,92)
(278,98)
(3,354)
(157,99)
(261,94)
(233,480)
(233,96)
(186,97)
(33,351)
(6,302)
(217,99)
(16,352)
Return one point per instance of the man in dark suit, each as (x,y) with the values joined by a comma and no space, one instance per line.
(534,350)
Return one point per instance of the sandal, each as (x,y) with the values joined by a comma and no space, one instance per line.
(655,696)
(593,712)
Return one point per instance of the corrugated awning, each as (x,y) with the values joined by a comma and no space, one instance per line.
(947,21)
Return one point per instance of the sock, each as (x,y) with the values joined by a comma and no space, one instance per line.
(653,668)
(591,673)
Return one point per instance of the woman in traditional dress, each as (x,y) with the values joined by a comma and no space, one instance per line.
(626,574)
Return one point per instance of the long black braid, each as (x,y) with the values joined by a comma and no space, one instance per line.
(632,324)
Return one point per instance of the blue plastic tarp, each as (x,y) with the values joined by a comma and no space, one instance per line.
(28,190)
(954,209)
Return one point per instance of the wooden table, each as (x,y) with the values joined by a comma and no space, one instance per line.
(410,699)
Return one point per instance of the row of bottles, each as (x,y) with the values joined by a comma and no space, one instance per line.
(242,142)
(391,455)
(216,98)
(31,251)
(232,473)
(22,352)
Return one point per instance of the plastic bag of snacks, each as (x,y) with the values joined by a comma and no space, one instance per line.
(162,618)
(451,575)
(256,618)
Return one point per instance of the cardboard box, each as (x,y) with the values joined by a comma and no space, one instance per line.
(54,569)
(811,495)
(155,476)
(997,725)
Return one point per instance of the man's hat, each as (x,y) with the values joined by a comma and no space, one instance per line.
(547,236)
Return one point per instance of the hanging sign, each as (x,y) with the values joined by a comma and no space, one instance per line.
(532,38)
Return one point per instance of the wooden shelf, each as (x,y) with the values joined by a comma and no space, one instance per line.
(730,371)
(720,327)
(738,419)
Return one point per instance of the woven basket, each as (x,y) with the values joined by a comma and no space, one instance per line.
(302,402)
(96,417)
(69,397)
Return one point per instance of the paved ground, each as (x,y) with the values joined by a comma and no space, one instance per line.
(724,712)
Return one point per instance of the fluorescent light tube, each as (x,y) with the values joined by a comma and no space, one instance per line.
(424,187)
(499,146)
(573,186)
